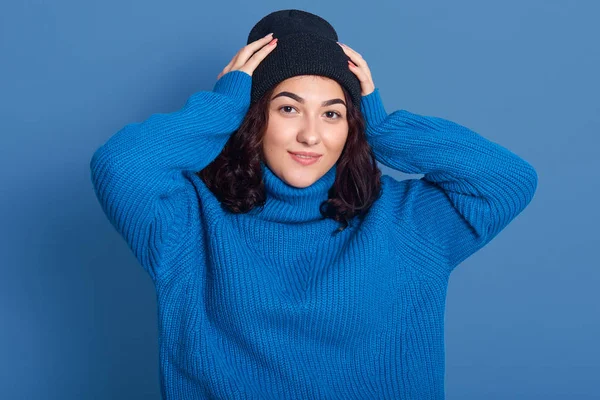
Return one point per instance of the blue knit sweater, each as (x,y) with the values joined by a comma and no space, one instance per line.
(270,304)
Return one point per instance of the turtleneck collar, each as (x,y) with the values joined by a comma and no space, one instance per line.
(289,204)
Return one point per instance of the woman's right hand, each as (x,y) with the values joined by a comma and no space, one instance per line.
(249,56)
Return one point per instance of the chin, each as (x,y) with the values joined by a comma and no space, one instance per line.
(301,181)
(300,184)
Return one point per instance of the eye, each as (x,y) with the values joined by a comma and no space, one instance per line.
(326,112)
(334,112)
(281,108)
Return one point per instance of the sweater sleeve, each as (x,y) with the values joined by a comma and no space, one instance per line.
(137,174)
(472,188)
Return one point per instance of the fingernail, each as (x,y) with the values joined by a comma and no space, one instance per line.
(269,35)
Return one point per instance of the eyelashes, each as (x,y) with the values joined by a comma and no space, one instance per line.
(334,112)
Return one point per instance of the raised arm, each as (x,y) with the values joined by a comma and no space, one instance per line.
(472,188)
(138,173)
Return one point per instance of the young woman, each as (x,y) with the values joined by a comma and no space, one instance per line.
(285,265)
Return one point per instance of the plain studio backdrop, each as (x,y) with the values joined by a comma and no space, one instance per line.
(78,313)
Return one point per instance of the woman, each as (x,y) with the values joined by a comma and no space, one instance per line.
(280,276)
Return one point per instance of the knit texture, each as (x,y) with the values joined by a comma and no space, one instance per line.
(306,45)
(270,304)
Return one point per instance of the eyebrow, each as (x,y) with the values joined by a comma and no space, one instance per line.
(301,100)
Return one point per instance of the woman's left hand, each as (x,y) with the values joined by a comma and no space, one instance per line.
(360,68)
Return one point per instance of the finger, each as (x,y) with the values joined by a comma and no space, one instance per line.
(260,42)
(228,67)
(260,55)
(350,49)
(354,56)
(360,74)
(247,51)
(358,61)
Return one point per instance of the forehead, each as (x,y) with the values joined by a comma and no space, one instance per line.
(311,86)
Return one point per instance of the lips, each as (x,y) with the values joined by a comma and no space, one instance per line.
(304,160)
(305,153)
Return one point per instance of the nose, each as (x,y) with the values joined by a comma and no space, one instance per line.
(309,132)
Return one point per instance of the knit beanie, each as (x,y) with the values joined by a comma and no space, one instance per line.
(306,46)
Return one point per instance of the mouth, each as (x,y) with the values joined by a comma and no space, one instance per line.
(305,159)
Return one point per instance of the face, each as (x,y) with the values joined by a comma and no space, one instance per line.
(307,113)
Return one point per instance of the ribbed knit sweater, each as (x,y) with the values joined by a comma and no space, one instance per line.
(270,304)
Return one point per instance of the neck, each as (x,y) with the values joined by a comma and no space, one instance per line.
(288,204)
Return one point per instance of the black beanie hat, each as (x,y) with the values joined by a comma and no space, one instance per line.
(306,46)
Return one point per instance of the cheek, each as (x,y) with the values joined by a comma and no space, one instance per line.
(277,134)
(337,141)
(272,142)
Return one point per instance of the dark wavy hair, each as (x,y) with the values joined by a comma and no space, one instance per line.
(235,176)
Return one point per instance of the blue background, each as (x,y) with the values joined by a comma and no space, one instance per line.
(78,315)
